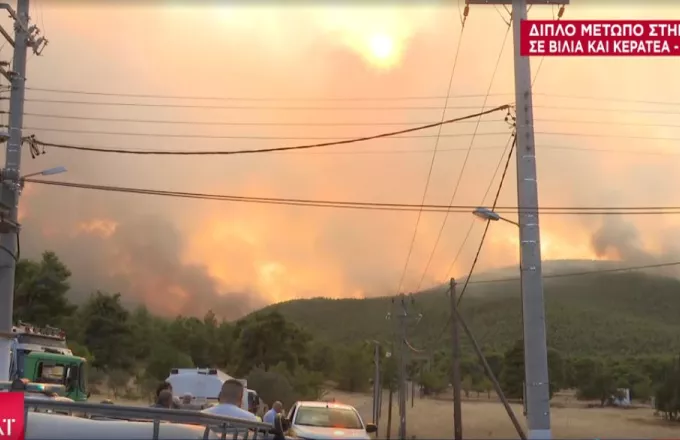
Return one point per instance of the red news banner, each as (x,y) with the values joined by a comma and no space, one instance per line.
(600,38)
(11,416)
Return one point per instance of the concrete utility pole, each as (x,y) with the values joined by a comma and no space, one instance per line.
(455,364)
(533,308)
(25,37)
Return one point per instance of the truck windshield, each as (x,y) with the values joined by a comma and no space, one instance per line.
(38,340)
(52,374)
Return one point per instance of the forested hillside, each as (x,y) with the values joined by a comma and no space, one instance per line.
(605,314)
(606,332)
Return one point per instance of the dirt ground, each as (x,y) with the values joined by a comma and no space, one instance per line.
(483,418)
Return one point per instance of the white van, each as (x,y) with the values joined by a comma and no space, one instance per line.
(204,385)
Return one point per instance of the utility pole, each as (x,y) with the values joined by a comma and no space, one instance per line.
(25,37)
(455,364)
(533,307)
(402,368)
(377,385)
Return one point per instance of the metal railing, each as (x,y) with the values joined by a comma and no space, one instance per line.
(221,425)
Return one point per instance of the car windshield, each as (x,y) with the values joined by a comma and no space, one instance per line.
(328,417)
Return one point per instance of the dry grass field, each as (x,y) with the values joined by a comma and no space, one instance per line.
(483,418)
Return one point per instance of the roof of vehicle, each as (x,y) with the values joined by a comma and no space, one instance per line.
(321,404)
(54,356)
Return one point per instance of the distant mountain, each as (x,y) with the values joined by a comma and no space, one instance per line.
(622,313)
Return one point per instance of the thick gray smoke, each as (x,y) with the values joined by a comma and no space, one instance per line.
(620,239)
(137,255)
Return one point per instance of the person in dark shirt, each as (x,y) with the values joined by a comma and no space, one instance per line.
(166,386)
(164,400)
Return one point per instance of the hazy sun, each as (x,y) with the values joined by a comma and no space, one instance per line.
(382,46)
(382,50)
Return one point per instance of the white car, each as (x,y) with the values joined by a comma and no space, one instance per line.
(327,421)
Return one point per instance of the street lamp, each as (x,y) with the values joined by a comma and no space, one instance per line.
(47,172)
(487,214)
(536,392)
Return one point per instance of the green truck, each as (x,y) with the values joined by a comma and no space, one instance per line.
(42,356)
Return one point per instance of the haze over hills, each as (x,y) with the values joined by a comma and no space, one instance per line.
(612,314)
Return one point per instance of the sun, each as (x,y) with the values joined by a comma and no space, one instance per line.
(382,46)
(382,50)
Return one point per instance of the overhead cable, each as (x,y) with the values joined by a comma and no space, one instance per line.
(465,160)
(434,151)
(556,210)
(37,143)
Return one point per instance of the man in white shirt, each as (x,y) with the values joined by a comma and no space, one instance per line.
(277,407)
(230,399)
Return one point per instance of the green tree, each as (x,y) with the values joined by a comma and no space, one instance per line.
(354,369)
(322,358)
(512,375)
(600,384)
(40,291)
(163,359)
(466,385)
(483,386)
(106,331)
(266,339)
(667,396)
(433,382)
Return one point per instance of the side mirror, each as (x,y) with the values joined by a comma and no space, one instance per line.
(371,428)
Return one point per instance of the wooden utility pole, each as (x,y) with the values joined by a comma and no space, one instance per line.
(455,364)
(403,391)
(388,432)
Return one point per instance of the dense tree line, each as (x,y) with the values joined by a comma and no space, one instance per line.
(132,350)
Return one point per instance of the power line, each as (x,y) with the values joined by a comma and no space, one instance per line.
(240,107)
(324,124)
(479,249)
(35,142)
(250,98)
(488,223)
(564,210)
(334,141)
(327,108)
(393,136)
(510,144)
(617,99)
(465,160)
(434,152)
(585,273)
(249,137)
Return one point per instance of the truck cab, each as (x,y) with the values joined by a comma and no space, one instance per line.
(58,369)
(42,356)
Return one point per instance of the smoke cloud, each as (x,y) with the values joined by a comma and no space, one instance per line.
(189,256)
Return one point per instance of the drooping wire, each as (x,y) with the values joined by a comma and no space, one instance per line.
(465,160)
(397,207)
(434,153)
(474,263)
(32,140)
(486,194)
(488,223)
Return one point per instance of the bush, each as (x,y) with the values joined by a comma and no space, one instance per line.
(272,386)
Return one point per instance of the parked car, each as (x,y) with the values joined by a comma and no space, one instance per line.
(327,421)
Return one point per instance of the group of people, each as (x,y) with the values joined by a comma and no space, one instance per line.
(229,403)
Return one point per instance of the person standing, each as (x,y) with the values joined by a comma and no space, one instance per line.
(164,400)
(230,398)
(270,416)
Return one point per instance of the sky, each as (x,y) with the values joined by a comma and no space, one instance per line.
(188,256)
